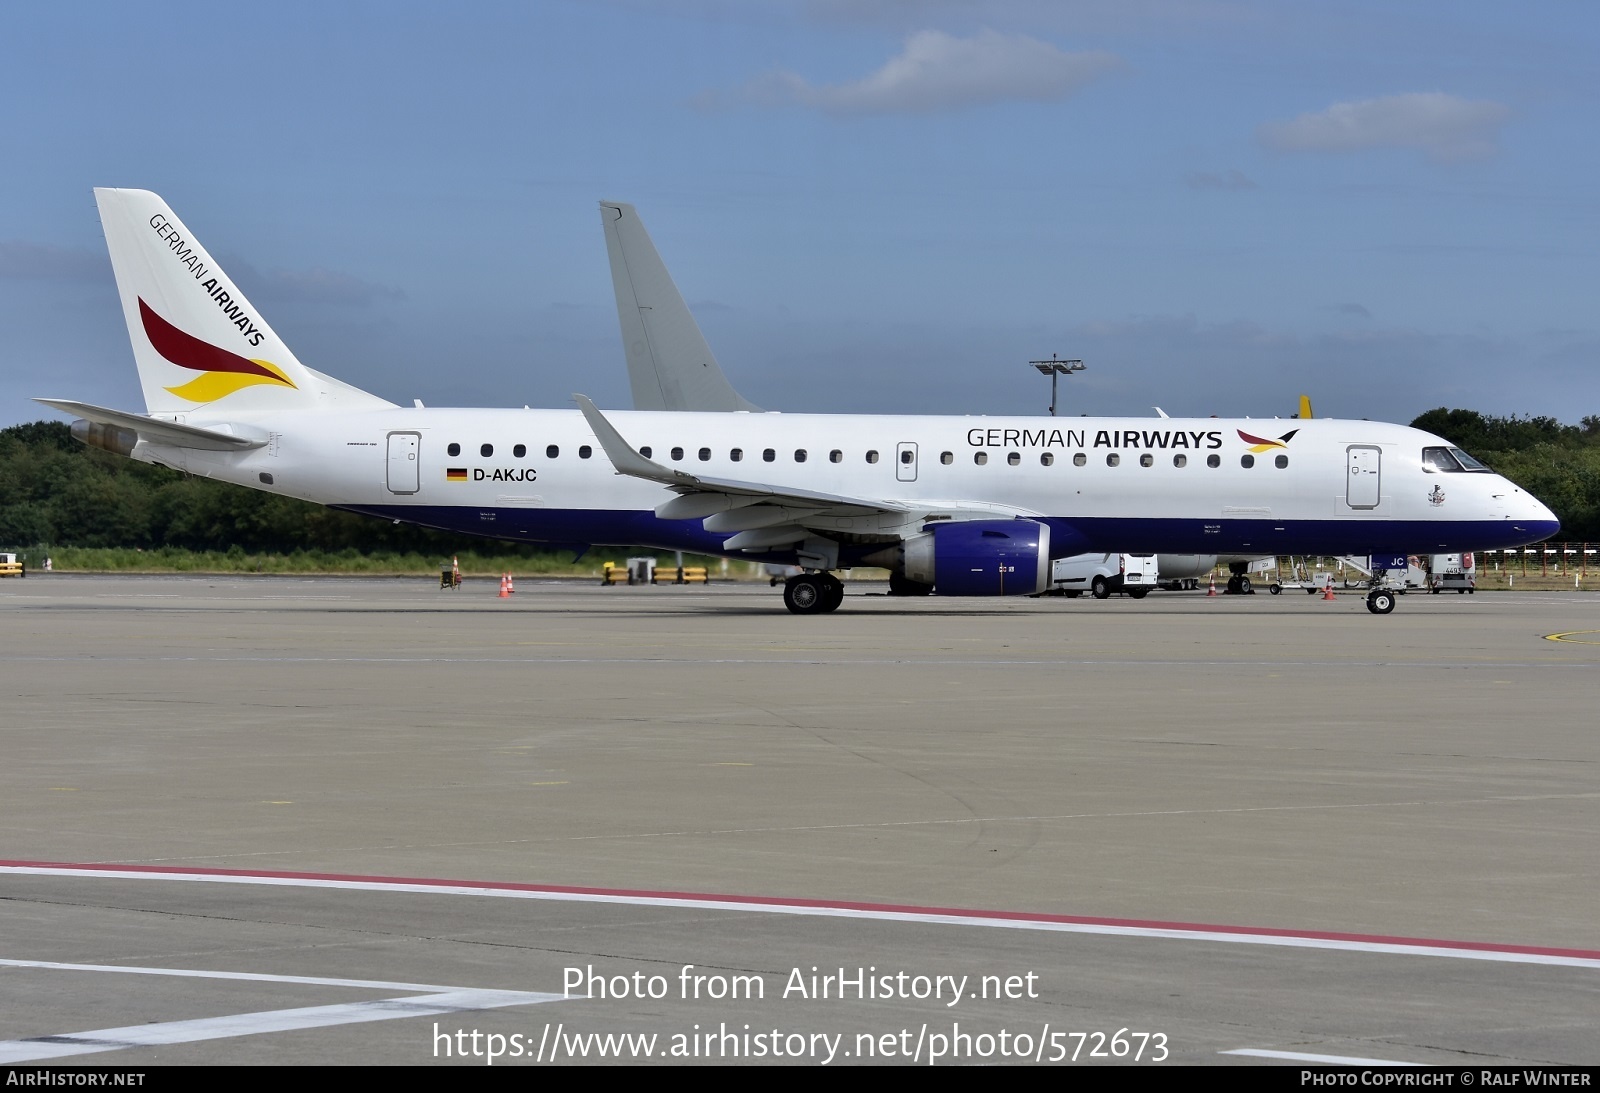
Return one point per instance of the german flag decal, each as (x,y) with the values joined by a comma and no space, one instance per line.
(455,474)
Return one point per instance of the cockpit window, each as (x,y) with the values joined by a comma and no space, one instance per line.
(1450,460)
(1439,459)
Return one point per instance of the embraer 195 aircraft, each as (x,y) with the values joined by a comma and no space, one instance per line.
(962,506)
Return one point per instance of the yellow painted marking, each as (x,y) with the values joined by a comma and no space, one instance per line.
(733,764)
(277,802)
(65,789)
(548,783)
(1572,636)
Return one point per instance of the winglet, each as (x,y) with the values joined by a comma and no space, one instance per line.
(624,459)
(670,366)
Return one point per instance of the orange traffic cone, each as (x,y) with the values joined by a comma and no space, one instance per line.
(1212,589)
(1327,590)
(505,586)
(511,584)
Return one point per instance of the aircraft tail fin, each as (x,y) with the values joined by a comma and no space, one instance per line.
(197,341)
(670,366)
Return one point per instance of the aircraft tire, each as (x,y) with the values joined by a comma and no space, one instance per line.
(1380,603)
(833,592)
(804,595)
(1245,587)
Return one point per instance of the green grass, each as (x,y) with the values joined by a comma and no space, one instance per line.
(349,562)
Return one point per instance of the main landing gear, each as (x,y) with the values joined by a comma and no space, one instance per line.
(813,593)
(1380,601)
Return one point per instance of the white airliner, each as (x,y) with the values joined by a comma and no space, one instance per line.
(965,506)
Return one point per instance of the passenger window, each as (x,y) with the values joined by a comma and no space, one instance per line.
(1113,460)
(1247,461)
(947,458)
(705,454)
(645,451)
(906,457)
(1213,461)
(1281,462)
(1147,460)
(1046,459)
(677,454)
(872,457)
(520,450)
(981,458)
(585,452)
(552,451)
(836,456)
(454,449)
(736,455)
(1079,460)
(486,451)
(1014,458)
(768,455)
(1180,460)
(799,455)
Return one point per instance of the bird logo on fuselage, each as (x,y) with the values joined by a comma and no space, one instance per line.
(1260,444)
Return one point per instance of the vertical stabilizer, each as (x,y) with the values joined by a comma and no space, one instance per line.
(198,342)
(670,366)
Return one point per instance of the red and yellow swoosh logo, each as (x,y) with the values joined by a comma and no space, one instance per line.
(1262,444)
(222,372)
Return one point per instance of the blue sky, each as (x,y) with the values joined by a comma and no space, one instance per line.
(884,206)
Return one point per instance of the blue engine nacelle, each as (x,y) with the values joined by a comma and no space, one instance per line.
(981,558)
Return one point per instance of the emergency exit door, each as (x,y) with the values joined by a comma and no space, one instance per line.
(404,471)
(905,461)
(1364,477)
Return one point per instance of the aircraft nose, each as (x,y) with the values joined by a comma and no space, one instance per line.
(1531,515)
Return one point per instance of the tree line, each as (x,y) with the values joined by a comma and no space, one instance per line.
(1559,464)
(56,492)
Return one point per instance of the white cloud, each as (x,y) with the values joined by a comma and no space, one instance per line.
(1447,128)
(939,72)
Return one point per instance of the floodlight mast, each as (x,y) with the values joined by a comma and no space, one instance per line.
(1055,368)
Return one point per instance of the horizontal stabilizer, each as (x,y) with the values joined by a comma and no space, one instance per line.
(166,433)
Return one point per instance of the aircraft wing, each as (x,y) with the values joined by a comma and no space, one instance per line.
(759,514)
(156,431)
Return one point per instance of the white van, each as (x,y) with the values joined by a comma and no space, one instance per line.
(1103,574)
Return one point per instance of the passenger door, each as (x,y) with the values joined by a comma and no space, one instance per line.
(1364,478)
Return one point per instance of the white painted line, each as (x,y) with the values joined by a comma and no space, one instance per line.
(1398,946)
(36,1049)
(249,977)
(1303,1057)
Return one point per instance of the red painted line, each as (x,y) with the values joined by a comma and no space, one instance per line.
(821,905)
